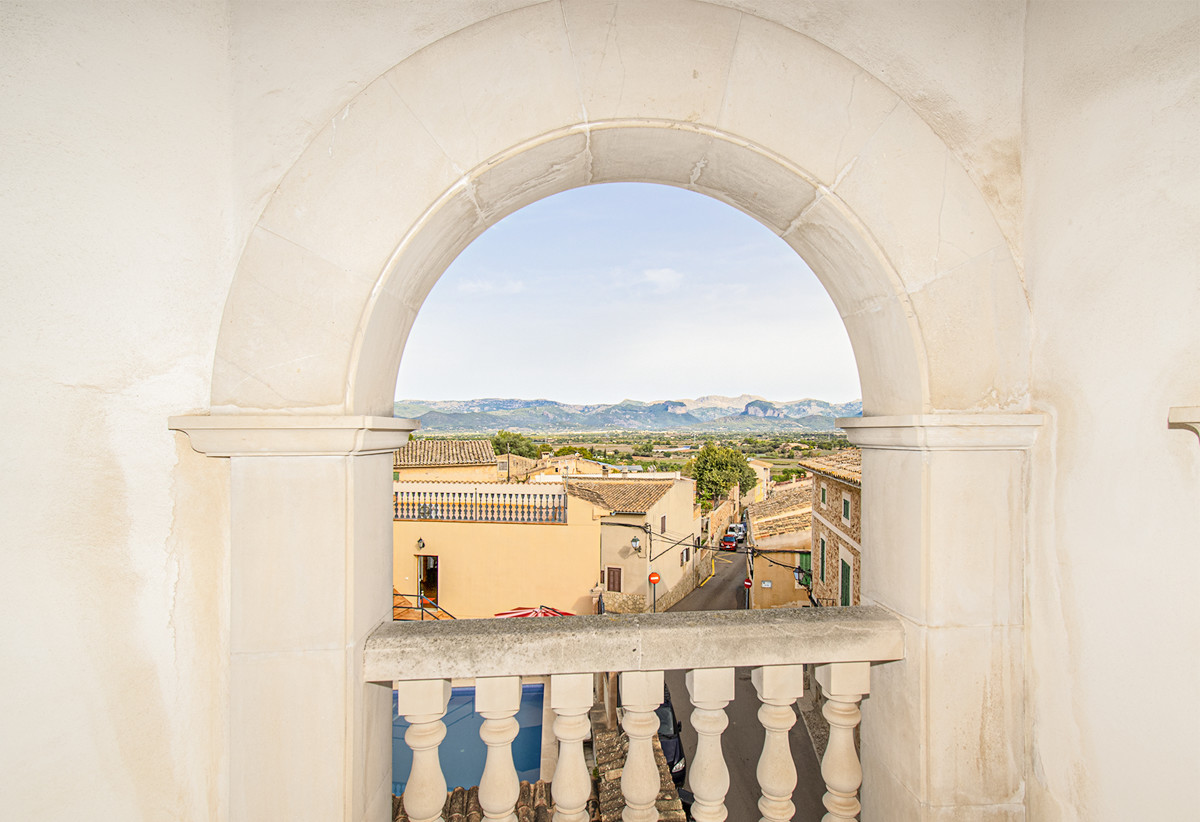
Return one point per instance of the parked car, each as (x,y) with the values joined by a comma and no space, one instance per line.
(668,737)
(729,542)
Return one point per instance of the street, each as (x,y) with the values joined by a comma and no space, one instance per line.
(743,739)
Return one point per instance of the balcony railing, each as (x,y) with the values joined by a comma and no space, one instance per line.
(479,502)
(422,658)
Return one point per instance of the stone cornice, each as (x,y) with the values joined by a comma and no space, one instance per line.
(260,435)
(944,432)
(1185,416)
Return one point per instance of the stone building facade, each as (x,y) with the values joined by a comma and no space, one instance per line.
(837,527)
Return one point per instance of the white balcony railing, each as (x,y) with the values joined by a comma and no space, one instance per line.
(479,502)
(422,658)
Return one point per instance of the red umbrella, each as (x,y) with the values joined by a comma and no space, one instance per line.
(540,611)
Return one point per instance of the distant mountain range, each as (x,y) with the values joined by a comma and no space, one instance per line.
(748,413)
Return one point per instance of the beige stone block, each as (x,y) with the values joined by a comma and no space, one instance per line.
(891,362)
(975,728)
(893,527)
(372,781)
(882,796)
(446,230)
(370,565)
(290,323)
(841,254)
(818,108)
(754,182)
(288,574)
(975,573)
(493,85)
(539,171)
(667,60)
(893,721)
(373,382)
(361,183)
(648,154)
(287,747)
(904,184)
(979,349)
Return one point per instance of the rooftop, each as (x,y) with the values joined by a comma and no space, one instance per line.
(796,497)
(632,496)
(844,465)
(421,453)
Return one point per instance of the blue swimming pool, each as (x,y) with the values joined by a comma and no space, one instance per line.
(462,752)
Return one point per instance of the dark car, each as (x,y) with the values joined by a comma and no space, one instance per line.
(729,542)
(668,737)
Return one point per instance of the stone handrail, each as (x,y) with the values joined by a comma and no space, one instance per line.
(422,658)
(631,642)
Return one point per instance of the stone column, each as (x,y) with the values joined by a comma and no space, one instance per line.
(311,577)
(943,535)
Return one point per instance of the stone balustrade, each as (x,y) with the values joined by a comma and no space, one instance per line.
(421,659)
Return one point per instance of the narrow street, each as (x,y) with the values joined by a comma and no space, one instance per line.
(743,739)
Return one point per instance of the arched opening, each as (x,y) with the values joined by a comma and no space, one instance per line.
(705,98)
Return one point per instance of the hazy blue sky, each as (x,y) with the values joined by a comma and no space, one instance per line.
(631,291)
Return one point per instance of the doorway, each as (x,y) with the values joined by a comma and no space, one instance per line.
(427,578)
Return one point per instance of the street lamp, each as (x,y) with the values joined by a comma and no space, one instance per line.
(636,544)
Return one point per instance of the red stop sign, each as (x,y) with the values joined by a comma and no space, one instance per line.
(654,577)
(748,583)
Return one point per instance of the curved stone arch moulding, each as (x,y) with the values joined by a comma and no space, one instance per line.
(533,102)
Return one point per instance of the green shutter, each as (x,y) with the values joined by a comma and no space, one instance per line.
(845,583)
(822,559)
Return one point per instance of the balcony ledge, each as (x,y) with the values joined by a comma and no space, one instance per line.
(630,642)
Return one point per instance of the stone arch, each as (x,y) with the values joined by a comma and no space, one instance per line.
(563,94)
(559,95)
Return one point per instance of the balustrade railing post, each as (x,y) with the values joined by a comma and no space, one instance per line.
(423,703)
(641,693)
(571,699)
(778,686)
(497,700)
(843,684)
(710,689)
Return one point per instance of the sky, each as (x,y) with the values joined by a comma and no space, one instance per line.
(628,291)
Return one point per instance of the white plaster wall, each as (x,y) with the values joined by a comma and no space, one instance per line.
(141,140)
(1112,256)
(118,252)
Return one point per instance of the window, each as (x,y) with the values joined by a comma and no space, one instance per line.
(662,527)
(804,563)
(613,580)
(822,493)
(395,476)
(822,559)
(845,583)
(845,508)
(683,556)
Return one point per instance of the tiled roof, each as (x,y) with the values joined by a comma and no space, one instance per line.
(625,496)
(420,453)
(797,497)
(783,525)
(844,465)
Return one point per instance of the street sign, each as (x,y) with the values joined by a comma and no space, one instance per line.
(654,578)
(748,583)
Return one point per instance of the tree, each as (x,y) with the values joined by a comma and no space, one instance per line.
(568,450)
(508,442)
(717,469)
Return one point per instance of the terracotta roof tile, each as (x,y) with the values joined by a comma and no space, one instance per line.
(418,453)
(796,497)
(626,496)
(844,465)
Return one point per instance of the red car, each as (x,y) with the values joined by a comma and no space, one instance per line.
(729,542)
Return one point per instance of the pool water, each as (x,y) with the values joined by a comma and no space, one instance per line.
(462,753)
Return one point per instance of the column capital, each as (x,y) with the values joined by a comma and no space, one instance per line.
(282,435)
(944,432)
(1184,416)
